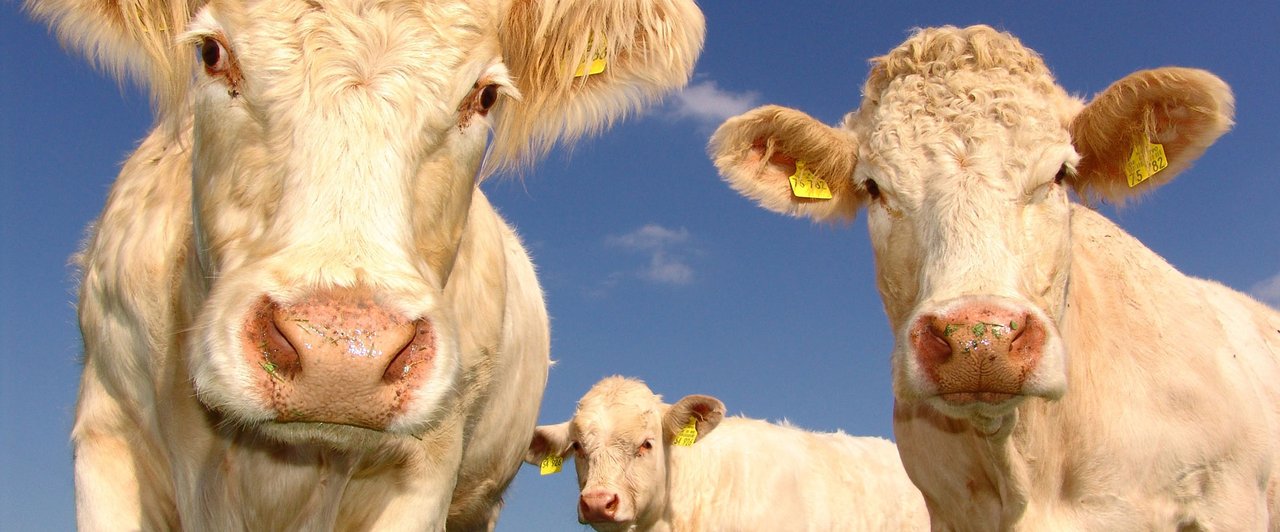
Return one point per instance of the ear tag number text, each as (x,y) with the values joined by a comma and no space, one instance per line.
(688,434)
(551,464)
(806,184)
(1146,159)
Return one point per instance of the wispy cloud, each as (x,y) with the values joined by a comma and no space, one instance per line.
(666,250)
(1268,291)
(710,105)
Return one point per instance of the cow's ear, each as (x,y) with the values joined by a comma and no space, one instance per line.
(765,153)
(581,64)
(705,411)
(547,440)
(1180,110)
(134,40)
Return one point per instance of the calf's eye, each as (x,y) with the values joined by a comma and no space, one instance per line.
(1061,175)
(873,189)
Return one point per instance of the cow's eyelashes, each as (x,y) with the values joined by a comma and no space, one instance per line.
(644,448)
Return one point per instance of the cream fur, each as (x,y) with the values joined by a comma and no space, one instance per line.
(340,149)
(740,473)
(1154,404)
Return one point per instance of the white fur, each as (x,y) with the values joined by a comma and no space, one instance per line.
(1157,404)
(739,474)
(340,149)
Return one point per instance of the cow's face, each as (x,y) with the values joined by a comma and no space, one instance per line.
(620,439)
(333,162)
(335,156)
(961,154)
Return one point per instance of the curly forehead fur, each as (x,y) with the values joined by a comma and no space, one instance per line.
(934,51)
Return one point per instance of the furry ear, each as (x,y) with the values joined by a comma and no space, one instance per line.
(757,152)
(135,40)
(640,49)
(706,411)
(547,440)
(1183,109)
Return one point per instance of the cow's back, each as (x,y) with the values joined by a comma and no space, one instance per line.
(753,475)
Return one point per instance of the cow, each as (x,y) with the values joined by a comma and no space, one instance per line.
(646,465)
(1049,371)
(299,311)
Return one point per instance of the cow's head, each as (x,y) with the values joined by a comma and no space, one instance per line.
(962,153)
(336,148)
(620,438)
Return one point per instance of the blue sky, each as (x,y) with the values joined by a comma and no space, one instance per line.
(652,267)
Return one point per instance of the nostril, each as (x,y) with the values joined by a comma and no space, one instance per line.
(418,347)
(931,339)
(281,353)
(611,506)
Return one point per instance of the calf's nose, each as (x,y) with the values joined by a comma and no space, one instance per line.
(337,357)
(980,351)
(598,506)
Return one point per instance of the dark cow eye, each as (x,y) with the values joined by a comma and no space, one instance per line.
(872,188)
(488,97)
(645,448)
(213,55)
(1061,175)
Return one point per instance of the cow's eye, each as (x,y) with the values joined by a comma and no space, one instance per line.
(873,189)
(214,56)
(486,98)
(644,448)
(1061,175)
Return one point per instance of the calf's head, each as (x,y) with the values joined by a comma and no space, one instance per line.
(335,150)
(620,439)
(962,153)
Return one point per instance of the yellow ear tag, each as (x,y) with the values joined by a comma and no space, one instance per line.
(551,464)
(688,434)
(1146,159)
(806,184)
(596,64)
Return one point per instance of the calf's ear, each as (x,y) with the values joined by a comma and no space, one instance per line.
(581,64)
(547,440)
(705,411)
(1183,110)
(758,154)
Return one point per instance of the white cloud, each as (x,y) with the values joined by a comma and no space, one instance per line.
(705,102)
(1268,291)
(666,250)
(649,237)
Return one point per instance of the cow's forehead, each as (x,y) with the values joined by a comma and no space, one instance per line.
(952,98)
(297,49)
(617,408)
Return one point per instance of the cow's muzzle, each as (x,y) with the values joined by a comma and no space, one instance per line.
(337,357)
(982,350)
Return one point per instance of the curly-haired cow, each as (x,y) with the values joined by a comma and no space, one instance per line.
(1050,372)
(299,311)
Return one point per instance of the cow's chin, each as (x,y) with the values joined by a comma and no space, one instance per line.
(330,435)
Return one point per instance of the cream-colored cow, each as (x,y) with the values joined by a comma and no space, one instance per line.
(1050,372)
(646,465)
(299,312)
